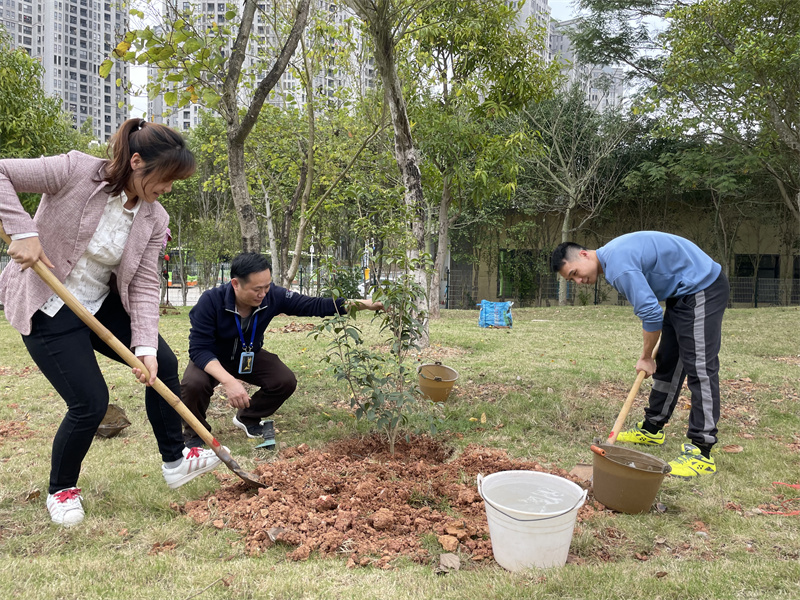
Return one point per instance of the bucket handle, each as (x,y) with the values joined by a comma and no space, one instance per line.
(438,363)
(580,501)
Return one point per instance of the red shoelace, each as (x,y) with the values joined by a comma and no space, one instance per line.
(69,494)
(193,453)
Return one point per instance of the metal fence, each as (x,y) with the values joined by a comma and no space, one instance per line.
(746,292)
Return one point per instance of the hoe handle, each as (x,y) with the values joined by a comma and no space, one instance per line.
(623,414)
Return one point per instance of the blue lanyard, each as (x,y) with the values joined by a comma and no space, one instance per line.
(241,335)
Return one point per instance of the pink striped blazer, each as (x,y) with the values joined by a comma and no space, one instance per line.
(71,207)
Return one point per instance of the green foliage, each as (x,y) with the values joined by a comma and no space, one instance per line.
(738,63)
(384,389)
(32,123)
(718,67)
(344,282)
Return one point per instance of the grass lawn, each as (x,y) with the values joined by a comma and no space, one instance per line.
(547,387)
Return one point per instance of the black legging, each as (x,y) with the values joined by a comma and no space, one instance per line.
(63,348)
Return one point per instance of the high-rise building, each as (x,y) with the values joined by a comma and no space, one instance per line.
(71,38)
(604,86)
(539,10)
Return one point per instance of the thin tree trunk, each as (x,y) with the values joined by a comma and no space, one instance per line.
(273,242)
(406,157)
(566,228)
(238,129)
(440,263)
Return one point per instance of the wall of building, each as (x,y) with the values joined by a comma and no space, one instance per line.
(768,249)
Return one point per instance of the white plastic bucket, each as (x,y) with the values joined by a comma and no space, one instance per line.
(531,517)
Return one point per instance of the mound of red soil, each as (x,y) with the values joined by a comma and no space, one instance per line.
(353,499)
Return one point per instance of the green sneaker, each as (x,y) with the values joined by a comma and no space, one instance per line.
(691,463)
(637,435)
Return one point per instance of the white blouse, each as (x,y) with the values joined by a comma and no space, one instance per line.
(88,281)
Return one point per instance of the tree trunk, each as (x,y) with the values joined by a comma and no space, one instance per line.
(291,270)
(286,228)
(440,263)
(406,157)
(566,228)
(241,194)
(273,242)
(238,129)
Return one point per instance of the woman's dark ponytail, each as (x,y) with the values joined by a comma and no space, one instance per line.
(161,149)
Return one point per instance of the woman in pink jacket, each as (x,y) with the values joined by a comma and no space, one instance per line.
(100,228)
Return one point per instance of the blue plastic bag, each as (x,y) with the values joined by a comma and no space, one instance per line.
(495,314)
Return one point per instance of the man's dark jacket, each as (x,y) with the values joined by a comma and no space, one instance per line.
(214,336)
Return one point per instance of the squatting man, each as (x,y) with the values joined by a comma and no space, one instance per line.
(226,342)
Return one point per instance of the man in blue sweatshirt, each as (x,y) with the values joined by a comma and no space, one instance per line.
(226,344)
(649,267)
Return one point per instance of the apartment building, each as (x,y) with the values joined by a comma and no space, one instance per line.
(604,86)
(71,38)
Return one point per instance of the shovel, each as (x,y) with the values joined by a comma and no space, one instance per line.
(125,354)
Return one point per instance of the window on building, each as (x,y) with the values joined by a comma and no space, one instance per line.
(768,265)
(520,273)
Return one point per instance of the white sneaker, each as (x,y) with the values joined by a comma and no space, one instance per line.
(196,461)
(65,507)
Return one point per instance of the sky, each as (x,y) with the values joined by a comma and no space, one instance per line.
(560,10)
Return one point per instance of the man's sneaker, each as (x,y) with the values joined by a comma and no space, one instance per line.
(252,431)
(65,507)
(692,463)
(268,431)
(637,435)
(196,461)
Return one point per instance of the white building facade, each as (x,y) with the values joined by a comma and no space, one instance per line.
(605,87)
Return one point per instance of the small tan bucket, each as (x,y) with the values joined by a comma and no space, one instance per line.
(626,480)
(436,380)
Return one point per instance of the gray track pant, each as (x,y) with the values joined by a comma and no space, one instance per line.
(690,342)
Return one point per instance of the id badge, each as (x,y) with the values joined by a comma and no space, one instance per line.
(246,363)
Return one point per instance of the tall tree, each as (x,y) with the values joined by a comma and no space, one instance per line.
(726,68)
(387,22)
(33,123)
(737,64)
(572,169)
(196,61)
(476,63)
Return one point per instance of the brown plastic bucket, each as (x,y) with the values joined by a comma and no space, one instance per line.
(436,380)
(626,480)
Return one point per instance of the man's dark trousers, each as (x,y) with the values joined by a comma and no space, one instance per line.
(276,380)
(690,341)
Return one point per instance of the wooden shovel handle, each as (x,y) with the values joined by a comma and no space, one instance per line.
(626,407)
